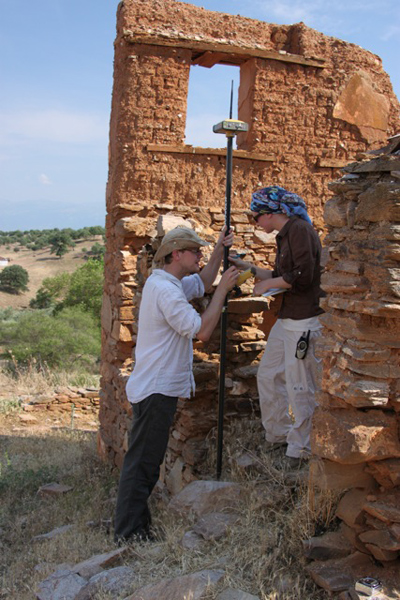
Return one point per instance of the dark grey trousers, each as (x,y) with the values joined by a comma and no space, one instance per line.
(152,419)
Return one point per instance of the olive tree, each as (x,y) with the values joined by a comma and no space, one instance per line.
(14,279)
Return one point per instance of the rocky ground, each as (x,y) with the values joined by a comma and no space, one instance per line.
(253,535)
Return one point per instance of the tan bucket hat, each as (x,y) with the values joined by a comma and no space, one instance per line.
(180,238)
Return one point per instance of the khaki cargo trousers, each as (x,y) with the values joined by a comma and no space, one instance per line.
(285,381)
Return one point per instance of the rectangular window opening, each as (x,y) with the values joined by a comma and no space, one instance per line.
(208,103)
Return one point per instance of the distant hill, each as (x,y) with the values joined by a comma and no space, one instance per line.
(41,264)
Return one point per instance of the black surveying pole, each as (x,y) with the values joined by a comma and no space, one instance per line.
(230,128)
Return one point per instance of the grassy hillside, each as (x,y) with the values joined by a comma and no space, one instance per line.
(41,264)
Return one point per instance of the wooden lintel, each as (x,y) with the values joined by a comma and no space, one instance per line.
(208,59)
(186,149)
(204,46)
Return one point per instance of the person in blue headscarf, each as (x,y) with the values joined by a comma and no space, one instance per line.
(276,200)
(287,373)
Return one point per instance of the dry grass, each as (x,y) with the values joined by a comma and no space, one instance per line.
(262,553)
(26,381)
(28,461)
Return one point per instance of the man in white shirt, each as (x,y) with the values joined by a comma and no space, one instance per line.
(163,366)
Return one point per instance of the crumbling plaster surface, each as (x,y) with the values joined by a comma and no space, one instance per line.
(290,111)
(361,104)
(292,79)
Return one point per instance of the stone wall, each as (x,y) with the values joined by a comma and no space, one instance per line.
(303,95)
(356,426)
(73,401)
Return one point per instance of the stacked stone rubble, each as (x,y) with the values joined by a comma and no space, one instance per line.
(64,400)
(356,426)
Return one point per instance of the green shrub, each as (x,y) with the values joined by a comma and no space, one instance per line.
(9,314)
(86,288)
(53,289)
(97,251)
(43,299)
(57,286)
(60,243)
(14,279)
(96,230)
(37,246)
(69,338)
(83,288)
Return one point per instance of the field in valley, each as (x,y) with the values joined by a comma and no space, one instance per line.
(41,264)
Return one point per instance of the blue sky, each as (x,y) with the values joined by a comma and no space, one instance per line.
(56,62)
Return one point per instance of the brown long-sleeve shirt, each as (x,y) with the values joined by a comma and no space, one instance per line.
(298,261)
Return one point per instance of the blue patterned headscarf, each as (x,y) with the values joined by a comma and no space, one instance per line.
(275,199)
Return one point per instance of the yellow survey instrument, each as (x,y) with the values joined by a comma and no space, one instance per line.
(245,275)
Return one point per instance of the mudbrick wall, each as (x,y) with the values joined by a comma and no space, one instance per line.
(313,104)
(356,426)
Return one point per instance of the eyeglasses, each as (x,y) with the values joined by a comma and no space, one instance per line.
(258,216)
(195,251)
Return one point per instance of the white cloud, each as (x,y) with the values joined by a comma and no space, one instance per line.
(44,179)
(55,126)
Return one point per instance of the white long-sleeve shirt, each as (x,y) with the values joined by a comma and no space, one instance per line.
(164,349)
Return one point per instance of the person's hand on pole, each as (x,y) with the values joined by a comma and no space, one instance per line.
(228,237)
(228,279)
(225,239)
